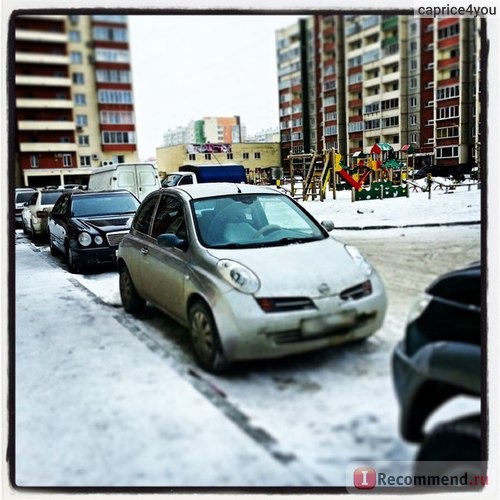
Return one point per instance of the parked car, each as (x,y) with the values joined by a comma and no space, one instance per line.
(87,226)
(21,197)
(439,359)
(35,214)
(138,178)
(248,271)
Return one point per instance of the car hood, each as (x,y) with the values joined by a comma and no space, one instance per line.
(313,269)
(104,224)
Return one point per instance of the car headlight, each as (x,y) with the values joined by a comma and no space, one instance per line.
(98,240)
(84,239)
(239,276)
(419,306)
(357,257)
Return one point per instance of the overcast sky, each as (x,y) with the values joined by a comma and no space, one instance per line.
(187,67)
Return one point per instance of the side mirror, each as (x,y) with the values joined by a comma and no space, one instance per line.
(328,225)
(169,240)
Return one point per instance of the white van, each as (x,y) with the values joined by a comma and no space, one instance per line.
(138,178)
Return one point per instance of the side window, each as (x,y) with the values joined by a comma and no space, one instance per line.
(61,206)
(169,218)
(32,200)
(144,215)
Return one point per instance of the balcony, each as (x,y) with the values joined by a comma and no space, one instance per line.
(44,103)
(47,147)
(41,36)
(45,125)
(39,58)
(43,81)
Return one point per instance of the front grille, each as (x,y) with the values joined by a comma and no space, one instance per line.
(285,304)
(115,221)
(357,292)
(115,238)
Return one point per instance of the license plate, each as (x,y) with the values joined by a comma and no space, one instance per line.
(323,324)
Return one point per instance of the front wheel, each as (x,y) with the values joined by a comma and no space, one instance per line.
(205,339)
(132,302)
(73,265)
(451,448)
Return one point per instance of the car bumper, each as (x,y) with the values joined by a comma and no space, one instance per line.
(39,226)
(247,332)
(451,368)
(94,256)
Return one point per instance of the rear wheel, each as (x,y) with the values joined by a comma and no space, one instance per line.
(132,302)
(205,339)
(53,250)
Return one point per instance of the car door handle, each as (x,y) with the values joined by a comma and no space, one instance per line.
(144,250)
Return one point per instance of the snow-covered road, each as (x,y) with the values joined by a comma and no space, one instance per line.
(292,422)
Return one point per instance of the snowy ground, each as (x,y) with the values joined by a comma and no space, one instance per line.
(105,399)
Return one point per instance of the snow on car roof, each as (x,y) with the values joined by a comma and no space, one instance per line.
(222,188)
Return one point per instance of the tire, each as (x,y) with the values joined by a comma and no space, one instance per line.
(25,229)
(53,250)
(132,302)
(205,339)
(73,266)
(451,446)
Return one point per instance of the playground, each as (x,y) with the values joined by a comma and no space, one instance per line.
(382,173)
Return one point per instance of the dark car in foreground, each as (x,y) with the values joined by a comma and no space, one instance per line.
(87,226)
(248,271)
(440,359)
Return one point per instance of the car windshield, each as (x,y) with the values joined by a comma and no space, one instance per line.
(24,196)
(50,197)
(103,204)
(171,180)
(253,220)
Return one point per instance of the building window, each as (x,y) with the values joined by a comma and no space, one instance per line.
(80,100)
(413,119)
(448,92)
(82,120)
(117,117)
(85,161)
(447,152)
(229,156)
(78,79)
(34,161)
(449,112)
(413,102)
(192,157)
(392,121)
(76,57)
(256,156)
(246,156)
(115,96)
(110,55)
(113,76)
(118,138)
(74,36)
(67,160)
(208,156)
(83,140)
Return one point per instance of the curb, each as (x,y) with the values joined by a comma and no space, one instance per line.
(404,226)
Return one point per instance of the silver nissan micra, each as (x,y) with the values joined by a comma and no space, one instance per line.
(248,271)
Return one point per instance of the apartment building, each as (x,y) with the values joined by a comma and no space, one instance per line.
(209,129)
(349,82)
(73,97)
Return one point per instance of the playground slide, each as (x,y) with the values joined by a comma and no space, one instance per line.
(350,179)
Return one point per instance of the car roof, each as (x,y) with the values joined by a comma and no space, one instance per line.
(79,192)
(209,189)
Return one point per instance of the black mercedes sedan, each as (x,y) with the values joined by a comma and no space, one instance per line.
(87,226)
